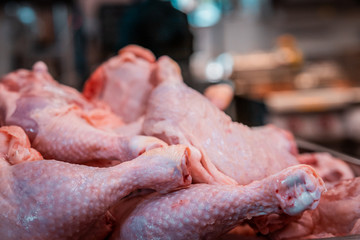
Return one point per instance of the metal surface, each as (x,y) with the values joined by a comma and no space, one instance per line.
(318,148)
(353,162)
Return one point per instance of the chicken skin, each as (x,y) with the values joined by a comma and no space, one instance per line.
(225,152)
(124,82)
(338,214)
(49,199)
(206,211)
(62,124)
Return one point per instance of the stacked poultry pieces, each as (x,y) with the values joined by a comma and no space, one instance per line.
(136,127)
(62,124)
(50,199)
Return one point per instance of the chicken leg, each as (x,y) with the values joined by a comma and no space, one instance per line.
(49,199)
(338,214)
(207,211)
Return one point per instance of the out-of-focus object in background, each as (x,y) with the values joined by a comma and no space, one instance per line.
(37,30)
(206,14)
(351,121)
(248,70)
(320,74)
(286,53)
(220,95)
(213,75)
(185,6)
(211,70)
(153,24)
(200,13)
(315,114)
(157,26)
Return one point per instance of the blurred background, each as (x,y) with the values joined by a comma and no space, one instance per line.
(293,63)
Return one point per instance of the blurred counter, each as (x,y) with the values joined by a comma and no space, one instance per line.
(316,102)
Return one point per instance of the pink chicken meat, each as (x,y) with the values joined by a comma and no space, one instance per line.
(228,152)
(206,211)
(48,199)
(62,124)
(123,82)
(15,147)
(338,214)
(332,170)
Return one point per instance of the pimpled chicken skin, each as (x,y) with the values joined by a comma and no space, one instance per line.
(205,211)
(124,82)
(332,170)
(242,174)
(338,214)
(49,199)
(62,124)
(225,152)
(15,146)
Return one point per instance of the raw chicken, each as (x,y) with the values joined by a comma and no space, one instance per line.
(331,170)
(15,146)
(207,211)
(49,199)
(62,124)
(123,82)
(56,200)
(338,214)
(224,152)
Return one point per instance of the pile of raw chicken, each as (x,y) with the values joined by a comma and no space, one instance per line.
(139,155)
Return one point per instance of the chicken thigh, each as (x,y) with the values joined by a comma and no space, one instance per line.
(123,82)
(205,211)
(227,152)
(62,124)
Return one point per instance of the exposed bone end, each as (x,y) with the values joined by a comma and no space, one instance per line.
(299,190)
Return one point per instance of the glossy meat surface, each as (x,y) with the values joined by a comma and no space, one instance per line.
(256,171)
(49,199)
(331,169)
(205,211)
(228,152)
(338,214)
(123,82)
(62,124)
(15,146)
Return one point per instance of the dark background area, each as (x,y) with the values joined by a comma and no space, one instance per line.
(321,56)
